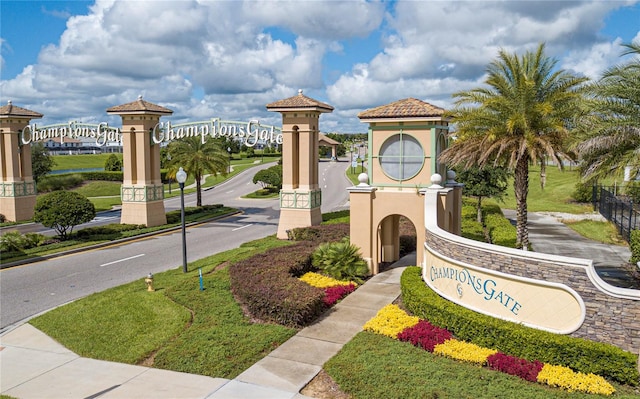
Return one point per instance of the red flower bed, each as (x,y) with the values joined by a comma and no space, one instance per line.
(336,293)
(515,366)
(425,335)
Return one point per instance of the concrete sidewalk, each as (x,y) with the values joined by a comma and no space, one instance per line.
(32,365)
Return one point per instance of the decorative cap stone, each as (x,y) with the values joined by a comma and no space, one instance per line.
(138,106)
(301,102)
(363,178)
(13,110)
(407,108)
(436,179)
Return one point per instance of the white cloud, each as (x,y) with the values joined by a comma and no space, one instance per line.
(239,56)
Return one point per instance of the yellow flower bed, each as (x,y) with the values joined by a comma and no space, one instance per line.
(320,281)
(464,351)
(390,321)
(565,378)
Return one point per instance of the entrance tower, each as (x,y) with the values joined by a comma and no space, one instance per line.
(300,197)
(405,139)
(17,187)
(142,192)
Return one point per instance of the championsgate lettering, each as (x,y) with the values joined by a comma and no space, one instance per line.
(249,133)
(485,288)
(102,133)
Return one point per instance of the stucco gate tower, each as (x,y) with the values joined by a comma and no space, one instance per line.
(405,139)
(17,187)
(142,190)
(300,197)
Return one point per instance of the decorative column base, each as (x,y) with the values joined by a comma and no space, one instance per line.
(143,205)
(17,200)
(298,208)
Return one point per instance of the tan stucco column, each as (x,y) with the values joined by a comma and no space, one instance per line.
(17,187)
(300,197)
(142,192)
(361,229)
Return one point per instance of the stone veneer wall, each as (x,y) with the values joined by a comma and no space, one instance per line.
(610,319)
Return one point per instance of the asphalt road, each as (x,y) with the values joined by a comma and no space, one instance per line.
(33,288)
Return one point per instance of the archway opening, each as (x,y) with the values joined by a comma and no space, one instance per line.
(396,238)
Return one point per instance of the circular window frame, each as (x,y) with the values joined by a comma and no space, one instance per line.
(400,138)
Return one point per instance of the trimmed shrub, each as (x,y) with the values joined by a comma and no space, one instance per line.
(579,354)
(268,286)
(176,216)
(583,191)
(634,246)
(59,182)
(103,175)
(425,335)
(501,231)
(515,366)
(320,234)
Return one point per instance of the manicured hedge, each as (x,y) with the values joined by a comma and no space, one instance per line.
(103,176)
(176,216)
(268,284)
(579,354)
(501,231)
(634,245)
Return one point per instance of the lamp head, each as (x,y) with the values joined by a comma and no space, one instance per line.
(181,175)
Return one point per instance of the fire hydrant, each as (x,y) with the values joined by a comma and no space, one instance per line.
(149,281)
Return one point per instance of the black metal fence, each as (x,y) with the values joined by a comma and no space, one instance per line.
(621,210)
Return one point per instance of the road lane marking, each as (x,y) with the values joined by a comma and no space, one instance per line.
(122,260)
(239,228)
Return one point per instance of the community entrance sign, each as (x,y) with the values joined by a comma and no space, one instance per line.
(249,133)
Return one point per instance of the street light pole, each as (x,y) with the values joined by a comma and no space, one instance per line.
(229,151)
(181,176)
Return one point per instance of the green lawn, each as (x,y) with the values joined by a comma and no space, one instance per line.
(201,332)
(83,161)
(556,195)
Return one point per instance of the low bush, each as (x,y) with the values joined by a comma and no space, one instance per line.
(320,234)
(634,246)
(59,182)
(425,335)
(103,175)
(583,191)
(501,231)
(268,286)
(515,366)
(110,231)
(579,354)
(176,216)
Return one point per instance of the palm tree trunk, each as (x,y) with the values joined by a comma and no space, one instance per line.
(521,187)
(198,190)
(479,209)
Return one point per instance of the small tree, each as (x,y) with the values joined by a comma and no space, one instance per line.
(270,177)
(63,210)
(41,161)
(113,163)
(483,182)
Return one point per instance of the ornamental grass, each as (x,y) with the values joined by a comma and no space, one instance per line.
(396,323)
(390,321)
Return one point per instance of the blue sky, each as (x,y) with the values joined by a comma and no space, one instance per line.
(70,60)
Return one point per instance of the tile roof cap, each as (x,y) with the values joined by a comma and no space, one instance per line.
(137,106)
(14,110)
(406,108)
(299,102)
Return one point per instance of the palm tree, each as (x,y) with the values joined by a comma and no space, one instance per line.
(522,117)
(610,133)
(197,159)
